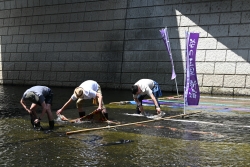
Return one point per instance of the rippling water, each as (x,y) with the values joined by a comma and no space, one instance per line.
(210,138)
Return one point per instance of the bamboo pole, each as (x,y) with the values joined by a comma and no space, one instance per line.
(133,123)
(83,117)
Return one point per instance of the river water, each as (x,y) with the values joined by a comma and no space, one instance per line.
(217,136)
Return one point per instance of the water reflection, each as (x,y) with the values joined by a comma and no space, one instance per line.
(207,139)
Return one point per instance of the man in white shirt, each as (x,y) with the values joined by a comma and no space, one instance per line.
(145,87)
(87,90)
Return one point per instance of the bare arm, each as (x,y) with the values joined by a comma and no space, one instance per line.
(24,106)
(99,96)
(139,105)
(44,106)
(158,109)
(64,106)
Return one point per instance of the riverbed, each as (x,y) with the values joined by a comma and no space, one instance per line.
(216,136)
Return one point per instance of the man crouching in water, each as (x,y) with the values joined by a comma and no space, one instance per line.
(145,87)
(38,96)
(87,90)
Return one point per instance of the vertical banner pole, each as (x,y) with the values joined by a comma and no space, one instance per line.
(185,75)
(164,34)
(176,87)
(192,92)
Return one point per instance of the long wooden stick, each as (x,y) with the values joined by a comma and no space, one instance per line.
(83,117)
(107,127)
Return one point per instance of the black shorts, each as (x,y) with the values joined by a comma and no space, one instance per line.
(49,98)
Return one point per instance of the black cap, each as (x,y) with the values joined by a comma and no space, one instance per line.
(134,89)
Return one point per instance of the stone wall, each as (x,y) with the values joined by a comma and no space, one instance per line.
(117,42)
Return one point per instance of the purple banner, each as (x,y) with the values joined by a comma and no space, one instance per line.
(164,34)
(192,92)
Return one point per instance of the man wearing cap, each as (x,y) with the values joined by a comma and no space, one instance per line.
(38,96)
(87,90)
(145,87)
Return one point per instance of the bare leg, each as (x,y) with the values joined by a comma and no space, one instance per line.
(79,106)
(33,114)
(49,113)
(33,108)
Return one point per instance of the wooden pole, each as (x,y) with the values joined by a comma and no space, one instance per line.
(92,113)
(107,127)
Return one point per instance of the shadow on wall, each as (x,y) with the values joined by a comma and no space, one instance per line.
(106,42)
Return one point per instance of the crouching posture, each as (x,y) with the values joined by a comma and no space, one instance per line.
(38,96)
(145,87)
(87,90)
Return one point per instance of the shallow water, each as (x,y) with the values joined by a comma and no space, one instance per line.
(218,136)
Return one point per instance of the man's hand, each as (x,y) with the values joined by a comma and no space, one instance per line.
(36,121)
(143,113)
(58,111)
(29,111)
(158,110)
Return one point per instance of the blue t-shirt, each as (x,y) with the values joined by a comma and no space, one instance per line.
(40,91)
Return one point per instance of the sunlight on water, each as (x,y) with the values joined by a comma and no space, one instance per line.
(147,148)
(207,139)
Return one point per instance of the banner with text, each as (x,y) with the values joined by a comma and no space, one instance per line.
(164,34)
(192,92)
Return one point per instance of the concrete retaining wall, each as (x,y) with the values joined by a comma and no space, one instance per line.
(117,42)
